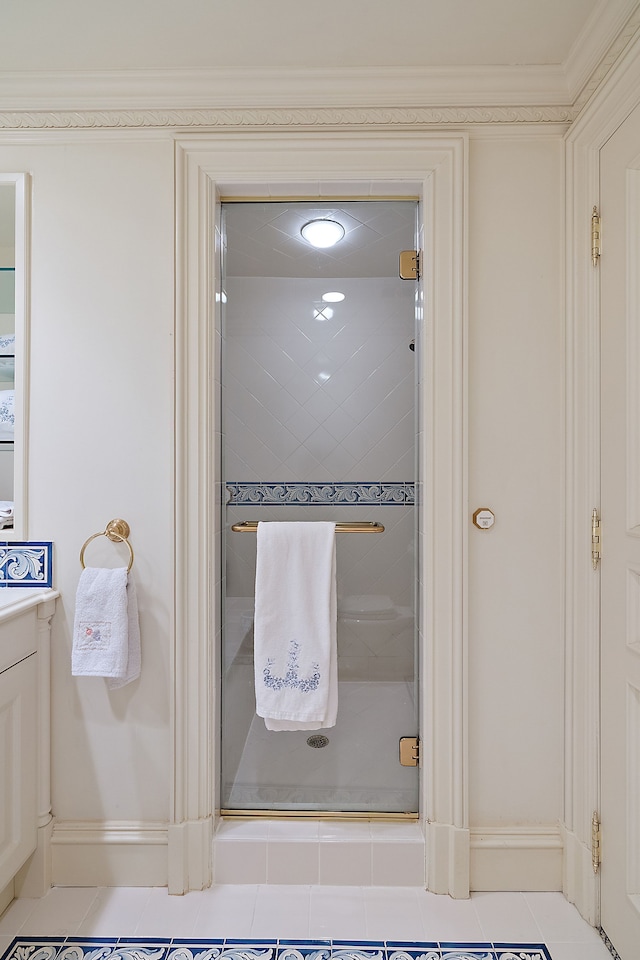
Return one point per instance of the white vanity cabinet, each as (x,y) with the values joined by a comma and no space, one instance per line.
(25,617)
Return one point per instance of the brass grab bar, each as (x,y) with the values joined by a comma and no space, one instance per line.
(251,526)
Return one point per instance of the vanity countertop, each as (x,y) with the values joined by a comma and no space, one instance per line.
(14,600)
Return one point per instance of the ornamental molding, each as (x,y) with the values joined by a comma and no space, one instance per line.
(349,98)
(630,31)
(299,118)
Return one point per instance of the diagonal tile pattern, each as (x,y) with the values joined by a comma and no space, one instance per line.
(327,397)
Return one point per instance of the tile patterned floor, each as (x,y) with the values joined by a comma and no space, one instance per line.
(400,922)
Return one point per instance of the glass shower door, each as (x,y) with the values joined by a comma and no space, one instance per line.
(319,423)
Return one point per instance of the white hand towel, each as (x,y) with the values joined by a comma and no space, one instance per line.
(295,650)
(106,634)
(132,671)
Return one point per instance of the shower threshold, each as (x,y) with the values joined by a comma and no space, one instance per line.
(228,814)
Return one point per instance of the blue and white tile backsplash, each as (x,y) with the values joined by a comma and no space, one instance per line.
(370,493)
(26,564)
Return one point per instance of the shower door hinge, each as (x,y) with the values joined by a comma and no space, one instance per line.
(409,751)
(596,852)
(409,266)
(595,237)
(596,539)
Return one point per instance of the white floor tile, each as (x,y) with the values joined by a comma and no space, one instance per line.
(60,912)
(166,916)
(579,951)
(506,916)
(447,919)
(559,921)
(226,911)
(16,914)
(392,913)
(281,908)
(336,912)
(4,944)
(116,911)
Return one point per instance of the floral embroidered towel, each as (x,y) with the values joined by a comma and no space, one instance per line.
(7,415)
(295,655)
(106,633)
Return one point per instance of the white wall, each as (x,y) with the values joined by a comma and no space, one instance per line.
(101,444)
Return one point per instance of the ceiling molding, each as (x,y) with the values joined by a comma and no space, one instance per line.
(376,97)
(625,37)
(280,88)
(273,118)
(594,44)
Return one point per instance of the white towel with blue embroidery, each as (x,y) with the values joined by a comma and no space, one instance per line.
(295,626)
(106,631)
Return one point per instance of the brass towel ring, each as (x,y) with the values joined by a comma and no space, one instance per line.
(117,531)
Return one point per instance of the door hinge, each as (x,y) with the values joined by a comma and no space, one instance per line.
(596,539)
(596,851)
(595,237)
(409,751)
(409,265)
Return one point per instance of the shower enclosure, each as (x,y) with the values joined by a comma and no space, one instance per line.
(319,423)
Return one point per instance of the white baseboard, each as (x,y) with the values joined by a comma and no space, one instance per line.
(516,859)
(447,860)
(189,855)
(109,853)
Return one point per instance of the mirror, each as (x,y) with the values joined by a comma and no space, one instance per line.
(12,355)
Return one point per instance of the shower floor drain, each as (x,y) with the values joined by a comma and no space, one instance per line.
(317,741)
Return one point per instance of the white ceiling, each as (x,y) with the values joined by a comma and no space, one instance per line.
(84,35)
(263,239)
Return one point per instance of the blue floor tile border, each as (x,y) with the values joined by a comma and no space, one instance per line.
(229,948)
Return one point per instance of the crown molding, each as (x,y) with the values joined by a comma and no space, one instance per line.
(390,117)
(279,88)
(623,34)
(357,96)
(592,47)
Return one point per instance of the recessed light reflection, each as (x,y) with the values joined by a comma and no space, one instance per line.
(333,296)
(323,313)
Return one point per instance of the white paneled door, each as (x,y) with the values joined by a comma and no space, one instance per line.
(620,510)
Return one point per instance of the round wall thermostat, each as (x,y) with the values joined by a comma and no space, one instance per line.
(484,518)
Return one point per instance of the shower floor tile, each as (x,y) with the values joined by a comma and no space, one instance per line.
(281,771)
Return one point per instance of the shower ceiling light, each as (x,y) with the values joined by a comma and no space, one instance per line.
(322,233)
(333,296)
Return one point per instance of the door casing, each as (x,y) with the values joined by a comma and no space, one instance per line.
(614,101)
(433,167)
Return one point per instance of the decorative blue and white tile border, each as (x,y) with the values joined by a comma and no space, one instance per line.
(128,948)
(27,564)
(369,494)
